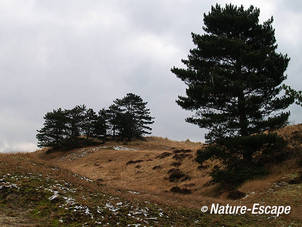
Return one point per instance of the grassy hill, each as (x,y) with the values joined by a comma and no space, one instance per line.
(142,183)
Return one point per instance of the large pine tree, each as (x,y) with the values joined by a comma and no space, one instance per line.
(234,75)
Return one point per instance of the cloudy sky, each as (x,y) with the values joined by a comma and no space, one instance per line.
(60,53)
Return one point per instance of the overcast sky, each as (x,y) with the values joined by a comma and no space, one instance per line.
(60,53)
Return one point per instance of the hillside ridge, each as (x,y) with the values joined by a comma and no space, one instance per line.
(154,181)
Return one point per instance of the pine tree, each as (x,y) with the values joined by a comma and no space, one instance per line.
(75,120)
(234,75)
(126,118)
(101,124)
(127,126)
(89,122)
(65,129)
(53,133)
(113,114)
(131,116)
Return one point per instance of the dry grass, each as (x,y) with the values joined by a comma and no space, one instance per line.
(109,167)
(29,163)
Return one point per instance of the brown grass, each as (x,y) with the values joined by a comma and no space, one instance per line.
(29,163)
(110,168)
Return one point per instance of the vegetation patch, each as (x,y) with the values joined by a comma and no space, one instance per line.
(57,203)
(242,158)
(163,155)
(182,151)
(156,167)
(236,194)
(181,156)
(176,175)
(134,162)
(177,189)
(176,164)
(296,180)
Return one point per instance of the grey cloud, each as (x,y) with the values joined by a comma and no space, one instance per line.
(63,53)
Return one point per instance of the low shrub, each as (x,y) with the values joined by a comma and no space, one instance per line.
(180,190)
(243,158)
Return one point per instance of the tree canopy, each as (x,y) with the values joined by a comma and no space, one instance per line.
(126,118)
(54,131)
(132,116)
(234,75)
(234,78)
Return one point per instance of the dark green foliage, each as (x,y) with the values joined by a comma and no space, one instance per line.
(233,176)
(127,118)
(100,125)
(130,117)
(89,123)
(297,95)
(54,131)
(127,126)
(64,129)
(234,75)
(76,121)
(243,157)
(245,148)
(113,118)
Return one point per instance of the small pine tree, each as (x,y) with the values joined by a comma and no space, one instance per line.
(127,118)
(75,119)
(101,124)
(131,116)
(89,122)
(127,126)
(54,132)
(113,118)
